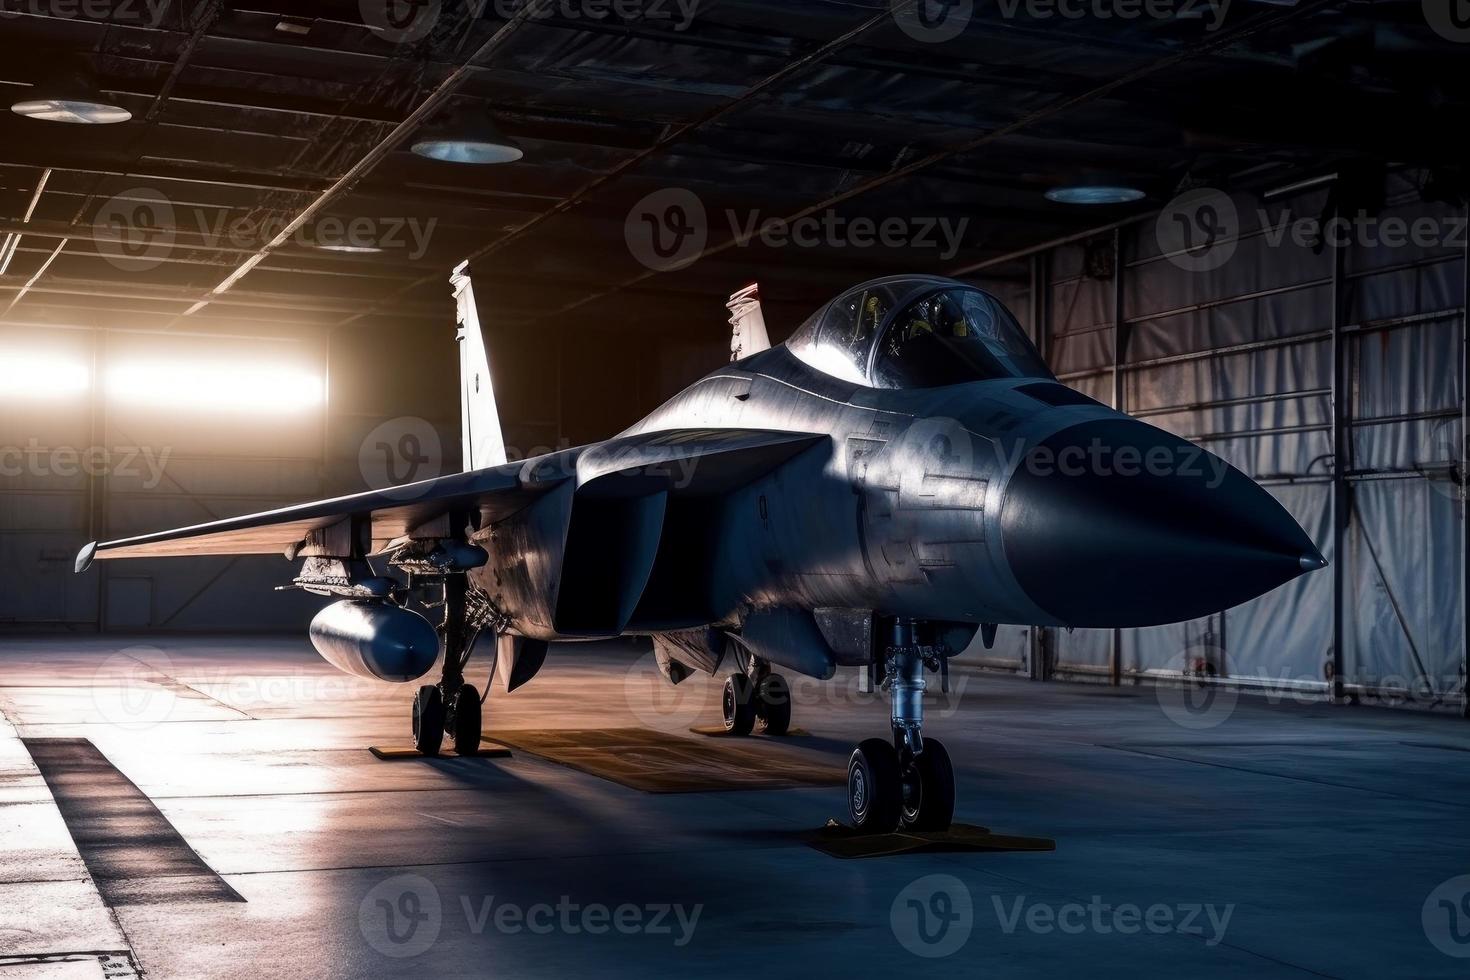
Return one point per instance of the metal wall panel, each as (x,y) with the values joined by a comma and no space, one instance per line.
(1239,357)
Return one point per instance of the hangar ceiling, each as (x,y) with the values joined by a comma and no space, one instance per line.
(252,114)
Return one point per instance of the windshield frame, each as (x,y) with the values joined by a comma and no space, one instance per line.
(906,290)
(928,290)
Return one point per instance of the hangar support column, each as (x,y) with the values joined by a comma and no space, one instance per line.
(1465,479)
(1340,454)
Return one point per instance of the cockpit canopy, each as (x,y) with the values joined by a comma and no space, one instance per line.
(916,332)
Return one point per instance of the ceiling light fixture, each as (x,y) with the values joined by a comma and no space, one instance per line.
(1094,194)
(71,96)
(467,138)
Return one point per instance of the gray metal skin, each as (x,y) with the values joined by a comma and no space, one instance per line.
(917,504)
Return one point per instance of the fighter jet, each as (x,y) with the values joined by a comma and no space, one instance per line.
(901,474)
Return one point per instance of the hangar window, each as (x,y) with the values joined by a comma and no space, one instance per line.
(951,337)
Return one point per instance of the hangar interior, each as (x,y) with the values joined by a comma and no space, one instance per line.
(251,117)
(157,277)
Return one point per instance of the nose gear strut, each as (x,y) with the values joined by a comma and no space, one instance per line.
(908,781)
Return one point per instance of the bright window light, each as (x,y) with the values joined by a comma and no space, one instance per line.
(39,376)
(215,386)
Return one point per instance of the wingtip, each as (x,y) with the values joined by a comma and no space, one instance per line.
(85,557)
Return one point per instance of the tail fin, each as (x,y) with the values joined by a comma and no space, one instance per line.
(479,419)
(748,323)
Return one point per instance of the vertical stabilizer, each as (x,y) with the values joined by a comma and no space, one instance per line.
(479,419)
(748,323)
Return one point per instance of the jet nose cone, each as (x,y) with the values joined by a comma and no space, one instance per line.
(1115,523)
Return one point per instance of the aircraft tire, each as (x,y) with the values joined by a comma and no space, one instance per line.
(428,720)
(874,790)
(466,720)
(928,789)
(773,705)
(737,705)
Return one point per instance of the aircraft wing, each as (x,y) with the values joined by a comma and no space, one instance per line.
(498,492)
(715,460)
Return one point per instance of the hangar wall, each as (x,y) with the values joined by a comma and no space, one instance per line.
(1240,358)
(80,466)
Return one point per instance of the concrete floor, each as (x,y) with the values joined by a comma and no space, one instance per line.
(1287,840)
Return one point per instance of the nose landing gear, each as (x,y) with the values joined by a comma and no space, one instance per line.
(910,781)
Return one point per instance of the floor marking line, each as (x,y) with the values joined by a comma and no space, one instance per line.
(125,841)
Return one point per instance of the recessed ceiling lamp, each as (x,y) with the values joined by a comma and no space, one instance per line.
(466,138)
(1094,194)
(71,96)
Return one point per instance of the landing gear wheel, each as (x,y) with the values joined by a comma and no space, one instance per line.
(874,790)
(428,720)
(773,705)
(466,732)
(738,705)
(928,789)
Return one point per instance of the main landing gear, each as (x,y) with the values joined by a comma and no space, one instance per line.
(755,698)
(453,707)
(908,782)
